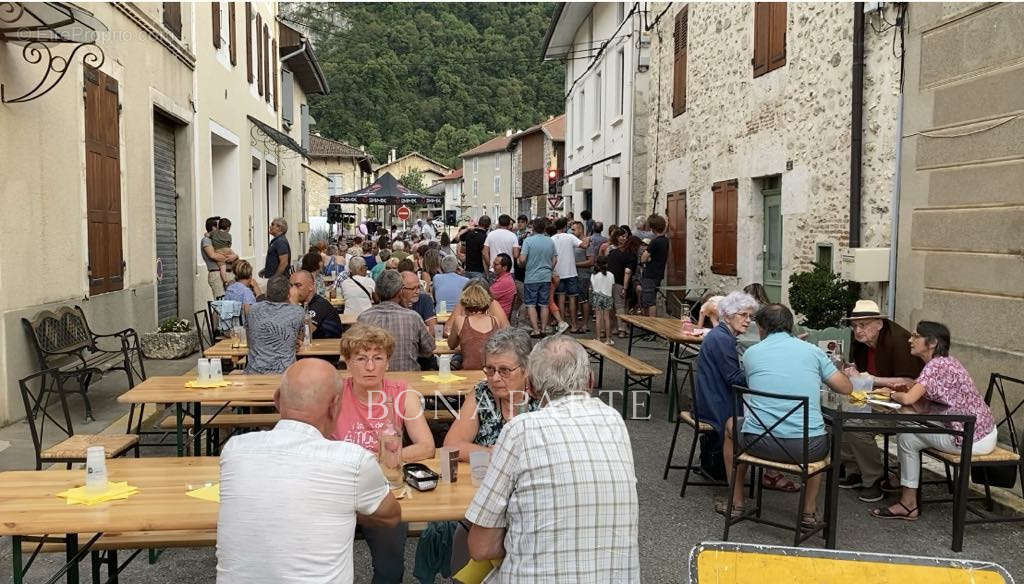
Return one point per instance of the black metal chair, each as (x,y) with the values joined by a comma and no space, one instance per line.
(204,329)
(37,391)
(689,418)
(798,465)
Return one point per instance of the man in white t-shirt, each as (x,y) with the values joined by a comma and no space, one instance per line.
(568,280)
(501,240)
(290,498)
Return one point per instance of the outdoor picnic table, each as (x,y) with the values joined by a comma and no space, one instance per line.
(224,349)
(682,347)
(260,388)
(338,302)
(923,417)
(29,505)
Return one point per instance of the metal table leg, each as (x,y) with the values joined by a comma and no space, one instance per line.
(197,429)
(629,347)
(16,563)
(179,415)
(962,487)
(832,492)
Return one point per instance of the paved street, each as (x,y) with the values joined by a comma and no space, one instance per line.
(669,526)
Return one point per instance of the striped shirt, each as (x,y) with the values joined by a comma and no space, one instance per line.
(406,326)
(562,483)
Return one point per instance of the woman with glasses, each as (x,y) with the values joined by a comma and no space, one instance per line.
(485,411)
(945,381)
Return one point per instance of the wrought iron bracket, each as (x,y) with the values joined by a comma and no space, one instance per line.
(55,69)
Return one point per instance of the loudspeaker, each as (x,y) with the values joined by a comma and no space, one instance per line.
(450,217)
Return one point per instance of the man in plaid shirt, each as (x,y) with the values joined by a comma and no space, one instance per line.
(559,501)
(406,326)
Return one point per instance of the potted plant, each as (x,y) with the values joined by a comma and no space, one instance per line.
(823,299)
(174,339)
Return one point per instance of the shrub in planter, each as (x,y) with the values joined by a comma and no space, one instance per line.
(174,339)
(822,297)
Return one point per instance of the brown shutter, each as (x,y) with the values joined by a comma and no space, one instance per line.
(248,41)
(762,25)
(215,7)
(103,182)
(266,62)
(259,54)
(723,233)
(273,61)
(232,44)
(679,64)
(777,36)
(172,17)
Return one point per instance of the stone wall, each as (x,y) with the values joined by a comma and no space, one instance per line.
(793,122)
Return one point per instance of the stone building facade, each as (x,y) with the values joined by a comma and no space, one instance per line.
(341,169)
(785,133)
(543,148)
(487,179)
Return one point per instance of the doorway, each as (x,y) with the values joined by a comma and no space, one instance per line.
(166,217)
(772,244)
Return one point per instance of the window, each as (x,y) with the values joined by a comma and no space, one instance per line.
(172,17)
(276,67)
(723,231)
(620,11)
(335,183)
(598,90)
(476,168)
(259,53)
(103,182)
(497,184)
(497,161)
(476,188)
(232,45)
(287,96)
(620,82)
(581,98)
(823,255)
(250,56)
(679,64)
(769,36)
(215,9)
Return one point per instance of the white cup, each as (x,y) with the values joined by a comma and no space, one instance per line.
(478,462)
(439,331)
(216,372)
(444,366)
(442,306)
(95,469)
(203,370)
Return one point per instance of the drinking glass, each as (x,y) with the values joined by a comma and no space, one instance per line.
(389,454)
(478,462)
(444,366)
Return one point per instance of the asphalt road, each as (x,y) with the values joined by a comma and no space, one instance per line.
(669,526)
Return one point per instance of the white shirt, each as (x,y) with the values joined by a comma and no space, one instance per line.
(501,240)
(562,483)
(602,283)
(565,247)
(288,504)
(356,299)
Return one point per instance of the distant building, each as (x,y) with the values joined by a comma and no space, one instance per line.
(605,107)
(487,174)
(451,187)
(399,167)
(340,169)
(535,152)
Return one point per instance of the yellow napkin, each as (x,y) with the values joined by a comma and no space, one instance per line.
(442,342)
(858,396)
(207,493)
(195,383)
(475,571)
(79,496)
(438,379)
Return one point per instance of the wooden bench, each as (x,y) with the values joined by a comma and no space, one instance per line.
(221,421)
(638,374)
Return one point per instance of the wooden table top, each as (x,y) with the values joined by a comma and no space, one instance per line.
(29,505)
(262,387)
(668,328)
(317,348)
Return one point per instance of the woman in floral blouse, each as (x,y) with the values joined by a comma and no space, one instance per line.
(945,381)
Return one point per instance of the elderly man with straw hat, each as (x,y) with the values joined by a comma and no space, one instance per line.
(880,348)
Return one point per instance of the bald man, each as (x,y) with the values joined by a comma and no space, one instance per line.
(290,498)
(326,323)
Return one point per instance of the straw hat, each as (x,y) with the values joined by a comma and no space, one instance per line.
(865,309)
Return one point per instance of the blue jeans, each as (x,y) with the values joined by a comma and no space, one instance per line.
(536,293)
(387,550)
(568,286)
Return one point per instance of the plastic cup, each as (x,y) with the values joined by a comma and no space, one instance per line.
(95,469)
(442,306)
(444,366)
(478,462)
(203,370)
(216,372)
(439,331)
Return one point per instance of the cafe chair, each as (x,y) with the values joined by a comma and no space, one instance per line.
(799,464)
(698,428)
(1001,467)
(204,329)
(37,393)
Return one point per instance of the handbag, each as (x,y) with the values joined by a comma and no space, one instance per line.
(363,288)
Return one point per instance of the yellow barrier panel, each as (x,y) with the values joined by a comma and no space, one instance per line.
(726,563)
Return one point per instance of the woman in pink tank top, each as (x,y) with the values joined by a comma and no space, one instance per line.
(469,332)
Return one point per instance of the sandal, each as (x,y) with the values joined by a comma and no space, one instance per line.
(809,522)
(885,513)
(777,482)
(721,503)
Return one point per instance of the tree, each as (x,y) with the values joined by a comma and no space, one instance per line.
(413,180)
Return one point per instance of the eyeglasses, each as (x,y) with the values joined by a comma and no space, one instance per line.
(744,315)
(504,372)
(411,288)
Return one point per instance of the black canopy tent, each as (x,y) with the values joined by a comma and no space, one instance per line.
(386,191)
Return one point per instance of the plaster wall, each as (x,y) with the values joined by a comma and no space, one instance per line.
(483,168)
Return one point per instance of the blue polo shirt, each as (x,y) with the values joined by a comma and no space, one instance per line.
(783,364)
(539,251)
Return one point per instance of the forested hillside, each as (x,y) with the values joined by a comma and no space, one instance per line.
(435,78)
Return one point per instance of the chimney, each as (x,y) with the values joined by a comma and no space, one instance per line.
(508,132)
(362,148)
(391,157)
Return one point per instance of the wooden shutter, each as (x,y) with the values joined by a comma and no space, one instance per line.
(762,24)
(232,44)
(273,47)
(248,41)
(777,36)
(266,62)
(259,54)
(215,7)
(172,17)
(679,64)
(103,182)
(723,239)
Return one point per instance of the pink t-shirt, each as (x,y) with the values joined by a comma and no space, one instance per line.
(504,291)
(947,382)
(359,423)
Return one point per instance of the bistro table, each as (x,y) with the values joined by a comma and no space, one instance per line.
(225,349)
(260,388)
(923,417)
(682,348)
(29,505)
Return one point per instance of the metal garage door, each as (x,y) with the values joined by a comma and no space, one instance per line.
(166,219)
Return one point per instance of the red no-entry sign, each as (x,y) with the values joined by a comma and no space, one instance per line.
(403,212)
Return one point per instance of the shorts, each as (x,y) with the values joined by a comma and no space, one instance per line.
(649,291)
(787,450)
(568,286)
(584,288)
(619,298)
(601,301)
(216,283)
(536,293)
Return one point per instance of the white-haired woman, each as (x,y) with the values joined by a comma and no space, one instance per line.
(358,289)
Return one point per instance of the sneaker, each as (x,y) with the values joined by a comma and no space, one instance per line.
(609,341)
(851,481)
(562,327)
(872,494)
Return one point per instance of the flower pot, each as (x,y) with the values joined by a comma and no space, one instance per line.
(157,345)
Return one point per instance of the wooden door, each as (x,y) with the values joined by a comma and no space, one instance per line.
(103,182)
(676,214)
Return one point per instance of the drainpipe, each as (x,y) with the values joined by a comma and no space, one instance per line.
(856,123)
(894,209)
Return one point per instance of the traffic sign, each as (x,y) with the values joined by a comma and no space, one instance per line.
(403,212)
